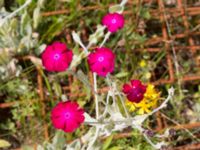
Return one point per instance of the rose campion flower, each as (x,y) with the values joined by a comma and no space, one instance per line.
(102,61)
(67,116)
(56,57)
(113,21)
(134,92)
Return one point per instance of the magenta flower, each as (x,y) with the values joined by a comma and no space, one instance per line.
(67,116)
(102,61)
(56,57)
(135,91)
(113,21)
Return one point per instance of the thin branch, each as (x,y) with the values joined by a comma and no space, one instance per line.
(96,95)
(105,38)
(15,12)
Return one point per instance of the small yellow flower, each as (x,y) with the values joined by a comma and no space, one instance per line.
(130,105)
(142,63)
(149,101)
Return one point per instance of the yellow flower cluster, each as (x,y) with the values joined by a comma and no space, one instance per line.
(149,101)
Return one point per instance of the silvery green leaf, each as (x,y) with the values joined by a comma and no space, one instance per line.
(75,145)
(13,25)
(36,17)
(159,145)
(40,49)
(4,143)
(11,15)
(114,110)
(88,118)
(24,20)
(77,59)
(89,135)
(139,119)
(96,146)
(120,127)
(116,8)
(59,140)
(116,116)
(76,37)
(39,147)
(63,97)
(12,65)
(57,89)
(41,3)
(49,146)
(93,38)
(29,29)
(3,13)
(123,2)
(83,78)
(121,74)
(25,41)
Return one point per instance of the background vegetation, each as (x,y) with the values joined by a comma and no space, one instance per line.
(28,93)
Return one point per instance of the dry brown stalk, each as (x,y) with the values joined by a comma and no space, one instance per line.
(41,95)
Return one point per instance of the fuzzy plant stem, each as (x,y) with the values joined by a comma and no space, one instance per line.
(96,95)
(84,48)
(131,120)
(113,89)
(123,2)
(146,137)
(88,46)
(15,12)
(123,104)
(106,105)
(136,123)
(77,39)
(106,37)
(90,146)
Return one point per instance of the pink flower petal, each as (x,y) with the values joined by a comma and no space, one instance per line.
(120,20)
(56,57)
(113,21)
(135,92)
(112,28)
(101,61)
(126,88)
(48,64)
(135,83)
(58,122)
(67,116)
(58,46)
(70,126)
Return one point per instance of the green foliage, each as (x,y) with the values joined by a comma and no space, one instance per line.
(107,143)
(4,143)
(144,13)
